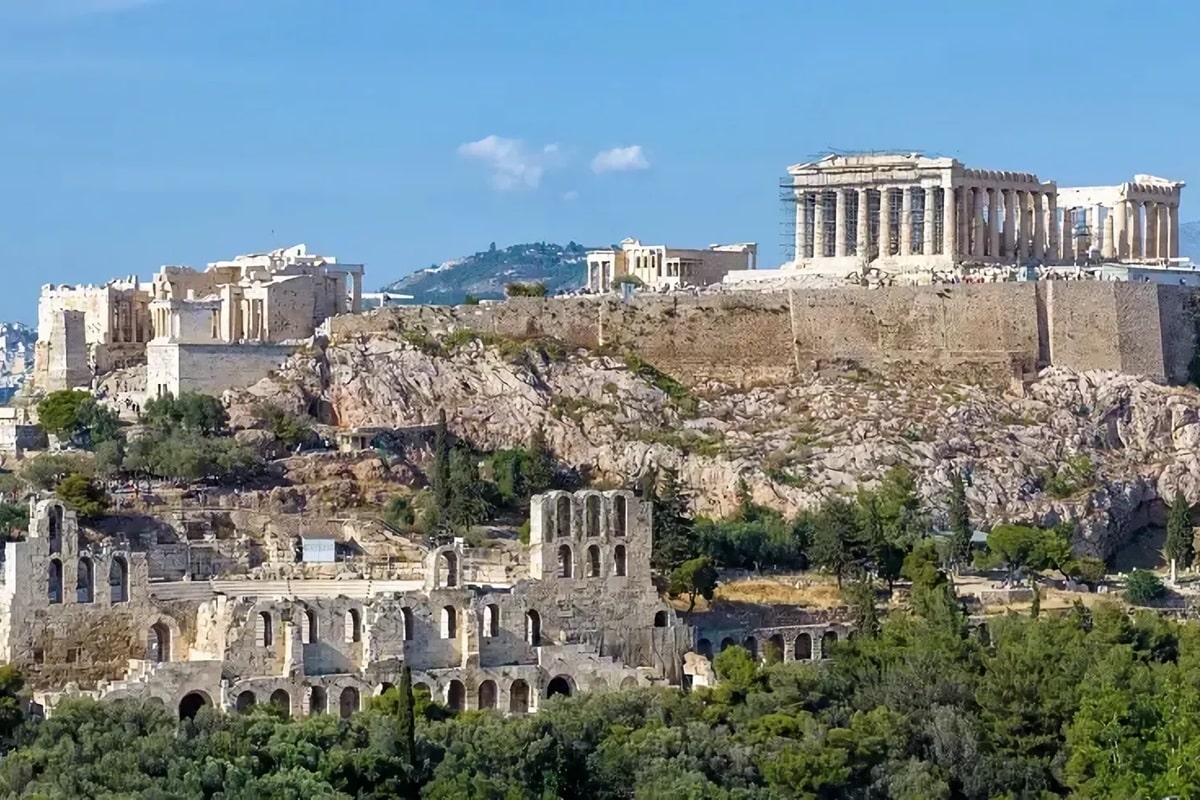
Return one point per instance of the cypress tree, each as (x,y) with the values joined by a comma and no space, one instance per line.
(440,480)
(1179,531)
(541,463)
(408,720)
(960,521)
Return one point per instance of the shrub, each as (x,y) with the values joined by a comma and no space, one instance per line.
(537,289)
(1142,587)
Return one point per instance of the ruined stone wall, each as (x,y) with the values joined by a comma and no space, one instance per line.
(289,307)
(745,337)
(210,368)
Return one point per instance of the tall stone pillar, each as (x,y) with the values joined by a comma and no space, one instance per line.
(819,226)
(1052,233)
(801,226)
(949,223)
(863,246)
(1173,230)
(965,206)
(1150,237)
(1010,223)
(839,223)
(885,221)
(1022,227)
(356,291)
(1135,238)
(1106,239)
(1119,216)
(906,221)
(929,221)
(1164,230)
(993,222)
(1039,226)
(979,222)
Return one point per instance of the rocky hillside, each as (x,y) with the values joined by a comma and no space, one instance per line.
(484,274)
(1098,447)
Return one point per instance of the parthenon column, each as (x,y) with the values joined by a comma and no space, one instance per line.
(1039,226)
(1135,238)
(949,223)
(930,219)
(1151,235)
(906,221)
(1163,226)
(993,222)
(1173,232)
(1010,223)
(964,221)
(1119,215)
(1106,238)
(885,221)
(979,223)
(819,226)
(863,247)
(801,225)
(839,223)
(1021,230)
(1052,233)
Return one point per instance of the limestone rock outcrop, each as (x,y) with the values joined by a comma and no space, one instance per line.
(1098,448)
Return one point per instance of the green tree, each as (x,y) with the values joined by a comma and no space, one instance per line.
(860,596)
(468,504)
(1143,587)
(1035,603)
(540,475)
(837,544)
(960,521)
(407,718)
(59,412)
(1179,531)
(672,523)
(288,428)
(1016,548)
(82,495)
(694,578)
(440,476)
(192,411)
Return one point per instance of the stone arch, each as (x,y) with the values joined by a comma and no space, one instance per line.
(446,569)
(85,580)
(620,518)
(353,625)
(318,700)
(384,688)
(158,643)
(491,620)
(348,702)
(449,622)
(751,645)
(828,640)
(456,695)
(245,701)
(55,577)
(773,652)
(566,563)
(629,682)
(55,525)
(487,695)
(533,628)
(593,561)
(620,568)
(727,643)
(308,627)
(802,650)
(562,517)
(660,619)
(406,622)
(264,629)
(422,690)
(591,515)
(118,580)
(191,703)
(704,648)
(280,698)
(518,697)
(560,686)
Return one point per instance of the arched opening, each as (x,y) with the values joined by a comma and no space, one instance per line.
(851,636)
(593,562)
(518,697)
(384,688)
(560,686)
(308,628)
(619,561)
(629,682)
(191,704)
(158,644)
(660,619)
(245,701)
(353,624)
(533,628)
(491,620)
(592,514)
(727,643)
(448,569)
(565,565)
(422,694)
(348,702)
(406,621)
(487,695)
(264,633)
(85,576)
(55,580)
(773,652)
(449,622)
(118,580)
(318,700)
(827,642)
(704,648)
(620,510)
(56,528)
(562,517)
(751,645)
(985,636)
(282,700)
(456,696)
(803,649)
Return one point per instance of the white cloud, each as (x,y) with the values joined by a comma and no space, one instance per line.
(513,164)
(620,159)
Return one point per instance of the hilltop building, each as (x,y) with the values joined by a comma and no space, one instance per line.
(662,267)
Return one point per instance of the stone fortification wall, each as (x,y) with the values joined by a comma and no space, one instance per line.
(1003,328)
(209,368)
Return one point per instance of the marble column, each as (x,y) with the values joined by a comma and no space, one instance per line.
(906,222)
(819,226)
(1106,240)
(1010,223)
(885,221)
(1120,231)
(1052,232)
(1039,226)
(1163,226)
(929,221)
(1173,230)
(1151,234)
(949,223)
(993,222)
(839,223)
(863,246)
(964,221)
(1135,238)
(801,225)
(1022,229)
(979,222)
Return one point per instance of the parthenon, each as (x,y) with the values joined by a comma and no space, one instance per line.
(904,211)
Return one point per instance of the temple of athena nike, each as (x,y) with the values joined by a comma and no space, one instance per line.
(902,212)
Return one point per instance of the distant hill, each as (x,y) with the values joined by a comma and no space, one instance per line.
(484,274)
(1189,240)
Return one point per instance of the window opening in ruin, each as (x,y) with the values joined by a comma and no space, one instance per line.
(456,695)
(487,695)
(263,633)
(56,525)
(118,580)
(518,697)
(191,704)
(282,700)
(593,561)
(727,643)
(704,648)
(245,702)
(751,645)
(56,580)
(384,688)
(406,621)
(308,633)
(564,561)
(158,644)
(449,561)
(39,656)
(592,515)
(559,687)
(491,620)
(533,628)
(449,622)
(619,561)
(354,626)
(803,649)
(620,510)
(72,655)
(827,642)
(773,652)
(660,619)
(318,701)
(562,517)
(348,702)
(84,577)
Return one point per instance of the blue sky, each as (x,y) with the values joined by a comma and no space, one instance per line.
(144,132)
